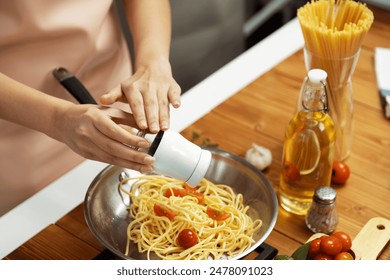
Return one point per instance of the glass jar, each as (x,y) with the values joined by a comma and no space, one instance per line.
(340,96)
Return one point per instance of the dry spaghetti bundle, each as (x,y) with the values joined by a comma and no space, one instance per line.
(187,209)
(333,32)
(334,29)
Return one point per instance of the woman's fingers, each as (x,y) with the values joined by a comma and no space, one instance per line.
(174,93)
(149,104)
(137,161)
(107,124)
(116,133)
(136,103)
(112,96)
(119,116)
(163,108)
(118,149)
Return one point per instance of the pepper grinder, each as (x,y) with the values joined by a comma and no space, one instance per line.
(177,157)
(322,216)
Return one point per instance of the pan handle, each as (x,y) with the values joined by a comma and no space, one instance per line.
(73,85)
(266,252)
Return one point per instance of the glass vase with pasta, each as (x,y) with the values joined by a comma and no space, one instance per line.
(333,32)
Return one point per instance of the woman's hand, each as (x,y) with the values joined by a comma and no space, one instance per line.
(148,92)
(103,134)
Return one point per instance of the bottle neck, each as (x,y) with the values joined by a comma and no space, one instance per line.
(314,97)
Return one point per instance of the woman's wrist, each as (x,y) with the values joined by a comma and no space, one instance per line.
(151,60)
(59,115)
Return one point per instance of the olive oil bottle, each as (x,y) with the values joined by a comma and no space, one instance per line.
(308,146)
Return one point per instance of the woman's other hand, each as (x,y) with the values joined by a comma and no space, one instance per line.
(149,92)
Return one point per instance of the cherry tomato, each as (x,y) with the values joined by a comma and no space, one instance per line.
(343,256)
(162,210)
(184,192)
(340,172)
(345,240)
(188,187)
(331,245)
(198,195)
(175,192)
(217,215)
(322,256)
(187,238)
(315,247)
(192,191)
(290,172)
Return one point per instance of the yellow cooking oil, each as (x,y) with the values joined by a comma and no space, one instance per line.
(308,147)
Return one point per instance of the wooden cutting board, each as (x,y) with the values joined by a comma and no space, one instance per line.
(371,239)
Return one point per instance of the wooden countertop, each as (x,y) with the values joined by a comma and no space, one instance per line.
(259,113)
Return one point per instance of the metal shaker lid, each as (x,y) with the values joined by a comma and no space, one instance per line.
(325,195)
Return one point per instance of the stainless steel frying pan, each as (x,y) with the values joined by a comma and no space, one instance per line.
(107,216)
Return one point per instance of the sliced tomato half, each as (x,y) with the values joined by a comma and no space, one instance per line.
(175,192)
(163,210)
(216,214)
(193,192)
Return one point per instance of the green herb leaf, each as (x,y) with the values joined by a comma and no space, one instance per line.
(302,252)
(195,135)
(283,257)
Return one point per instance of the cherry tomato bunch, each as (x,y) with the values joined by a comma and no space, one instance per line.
(331,247)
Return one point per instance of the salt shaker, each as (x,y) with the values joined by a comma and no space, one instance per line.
(322,216)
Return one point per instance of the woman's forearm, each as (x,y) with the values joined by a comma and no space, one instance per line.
(151,89)
(29,107)
(150,24)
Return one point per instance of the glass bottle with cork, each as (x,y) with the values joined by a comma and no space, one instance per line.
(308,146)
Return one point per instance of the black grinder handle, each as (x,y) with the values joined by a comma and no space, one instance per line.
(73,85)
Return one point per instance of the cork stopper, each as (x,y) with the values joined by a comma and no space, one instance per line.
(316,76)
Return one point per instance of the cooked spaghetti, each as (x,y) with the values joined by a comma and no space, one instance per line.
(215,213)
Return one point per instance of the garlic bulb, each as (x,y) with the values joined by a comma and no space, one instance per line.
(259,156)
